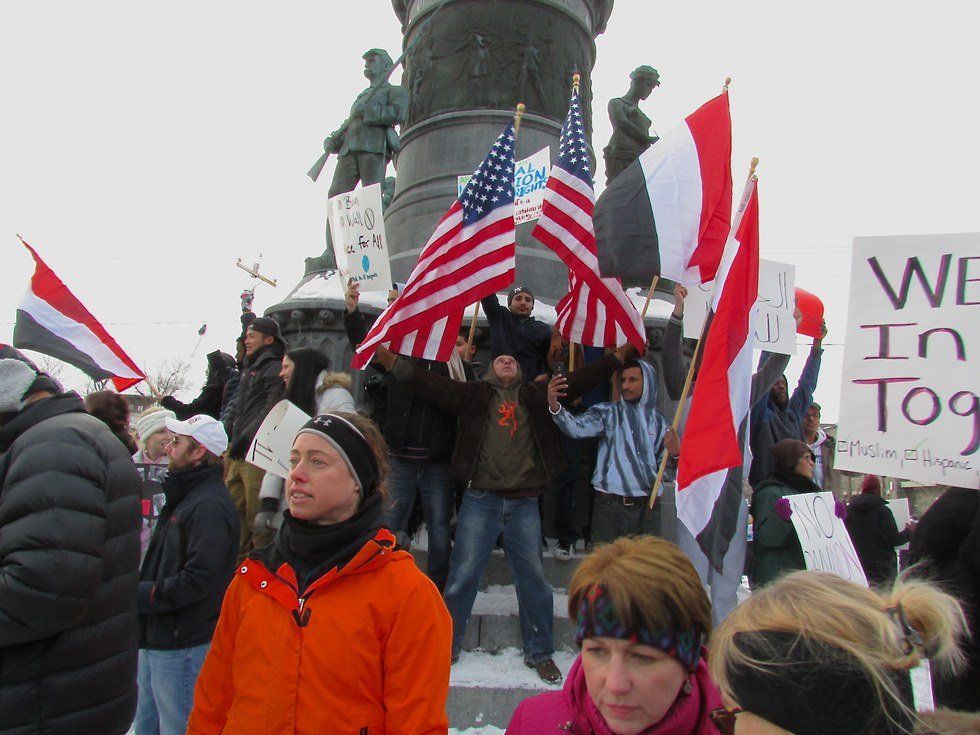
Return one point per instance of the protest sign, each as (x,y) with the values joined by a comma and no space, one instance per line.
(274,439)
(911,377)
(901,512)
(775,328)
(530,181)
(358,232)
(827,546)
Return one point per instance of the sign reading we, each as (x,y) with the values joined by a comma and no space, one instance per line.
(909,403)
(827,546)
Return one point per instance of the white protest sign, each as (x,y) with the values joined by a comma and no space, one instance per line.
(530,181)
(901,512)
(911,372)
(827,546)
(775,328)
(358,232)
(274,439)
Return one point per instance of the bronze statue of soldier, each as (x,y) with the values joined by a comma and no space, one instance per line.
(631,128)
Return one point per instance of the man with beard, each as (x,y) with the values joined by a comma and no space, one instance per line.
(780,416)
(513,331)
(190,560)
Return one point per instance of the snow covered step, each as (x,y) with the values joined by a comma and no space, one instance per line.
(485,689)
(558,571)
(494,624)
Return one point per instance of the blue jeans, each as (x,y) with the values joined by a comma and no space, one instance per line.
(484,516)
(434,484)
(166,682)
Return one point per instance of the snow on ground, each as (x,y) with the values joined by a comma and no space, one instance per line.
(488,730)
(480,669)
(502,600)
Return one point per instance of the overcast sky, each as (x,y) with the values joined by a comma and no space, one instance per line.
(145,147)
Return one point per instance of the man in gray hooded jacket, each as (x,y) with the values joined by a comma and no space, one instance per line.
(634,438)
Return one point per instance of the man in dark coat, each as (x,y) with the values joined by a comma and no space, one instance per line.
(69,551)
(221,368)
(947,544)
(507,449)
(190,560)
(259,389)
(875,534)
(513,331)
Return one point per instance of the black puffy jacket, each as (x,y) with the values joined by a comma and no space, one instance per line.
(875,534)
(259,389)
(189,562)
(69,552)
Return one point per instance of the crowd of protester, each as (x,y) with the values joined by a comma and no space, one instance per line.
(156,573)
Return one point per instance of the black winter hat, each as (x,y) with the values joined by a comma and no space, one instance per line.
(267,325)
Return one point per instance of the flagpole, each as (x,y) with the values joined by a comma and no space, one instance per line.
(571,356)
(469,340)
(746,193)
(646,304)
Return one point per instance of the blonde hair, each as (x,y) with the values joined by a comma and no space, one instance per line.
(830,611)
(651,582)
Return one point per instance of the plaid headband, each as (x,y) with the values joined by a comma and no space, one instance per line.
(350,444)
(597,618)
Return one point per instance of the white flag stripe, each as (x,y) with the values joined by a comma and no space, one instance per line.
(80,336)
(673,175)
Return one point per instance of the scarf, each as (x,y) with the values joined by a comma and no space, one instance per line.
(799,483)
(312,549)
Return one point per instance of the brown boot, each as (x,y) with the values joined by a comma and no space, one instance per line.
(547,670)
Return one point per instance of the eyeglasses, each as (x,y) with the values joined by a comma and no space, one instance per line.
(724,719)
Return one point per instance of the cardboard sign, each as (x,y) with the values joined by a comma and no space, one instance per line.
(273,441)
(775,327)
(909,405)
(827,546)
(530,181)
(358,232)
(900,510)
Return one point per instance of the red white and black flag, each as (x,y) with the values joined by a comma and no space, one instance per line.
(50,320)
(669,213)
(596,311)
(709,472)
(470,255)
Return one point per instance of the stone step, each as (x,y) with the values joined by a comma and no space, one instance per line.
(485,689)
(494,624)
(557,571)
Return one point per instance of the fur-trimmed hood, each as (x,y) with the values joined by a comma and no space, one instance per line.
(327,380)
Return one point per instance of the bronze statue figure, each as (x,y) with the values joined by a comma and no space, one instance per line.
(631,128)
(366,140)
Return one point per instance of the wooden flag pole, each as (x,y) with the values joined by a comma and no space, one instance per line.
(518,114)
(571,356)
(469,340)
(646,304)
(697,349)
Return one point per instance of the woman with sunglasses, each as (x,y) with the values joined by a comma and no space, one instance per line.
(642,616)
(815,654)
(776,548)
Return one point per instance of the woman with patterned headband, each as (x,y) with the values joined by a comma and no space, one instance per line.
(642,618)
(330,629)
(814,654)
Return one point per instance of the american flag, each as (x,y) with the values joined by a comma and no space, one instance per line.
(596,311)
(469,256)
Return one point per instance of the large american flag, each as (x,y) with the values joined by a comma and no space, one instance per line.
(596,311)
(469,256)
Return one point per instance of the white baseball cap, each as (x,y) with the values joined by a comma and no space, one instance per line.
(205,430)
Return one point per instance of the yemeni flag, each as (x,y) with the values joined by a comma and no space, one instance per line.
(50,320)
(709,472)
(669,213)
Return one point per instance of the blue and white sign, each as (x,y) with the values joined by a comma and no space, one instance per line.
(358,232)
(530,180)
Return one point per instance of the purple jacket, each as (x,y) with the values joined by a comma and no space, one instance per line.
(572,712)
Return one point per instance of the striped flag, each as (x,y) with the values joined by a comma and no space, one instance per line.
(470,255)
(709,473)
(596,311)
(50,320)
(669,213)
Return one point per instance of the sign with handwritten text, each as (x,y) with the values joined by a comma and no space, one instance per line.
(530,181)
(357,229)
(775,328)
(827,547)
(909,403)
(274,440)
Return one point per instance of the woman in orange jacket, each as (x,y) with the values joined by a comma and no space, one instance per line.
(329,629)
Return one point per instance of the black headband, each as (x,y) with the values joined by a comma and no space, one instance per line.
(809,687)
(350,445)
